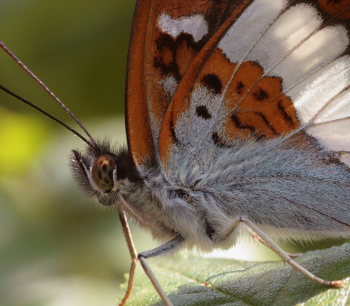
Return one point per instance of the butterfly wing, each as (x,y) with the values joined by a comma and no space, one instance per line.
(276,70)
(165,40)
(281,66)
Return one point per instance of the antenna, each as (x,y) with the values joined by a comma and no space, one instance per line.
(11,93)
(50,92)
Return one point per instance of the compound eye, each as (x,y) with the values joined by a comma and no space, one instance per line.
(102,172)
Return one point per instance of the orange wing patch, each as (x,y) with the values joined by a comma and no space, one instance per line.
(137,120)
(257,105)
(265,112)
(184,56)
(337,8)
(217,59)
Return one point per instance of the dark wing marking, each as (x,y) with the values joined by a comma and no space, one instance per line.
(167,35)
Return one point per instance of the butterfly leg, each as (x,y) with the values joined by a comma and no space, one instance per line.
(283,254)
(161,250)
(133,255)
(257,237)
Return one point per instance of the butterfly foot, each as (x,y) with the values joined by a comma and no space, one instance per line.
(337,284)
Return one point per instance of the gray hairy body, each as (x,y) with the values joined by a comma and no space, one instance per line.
(289,191)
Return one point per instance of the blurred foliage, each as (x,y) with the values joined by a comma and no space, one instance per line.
(78,48)
(16,156)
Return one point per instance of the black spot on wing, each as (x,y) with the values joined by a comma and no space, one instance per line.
(173,134)
(240,125)
(237,122)
(219,12)
(261,95)
(202,111)
(267,123)
(165,59)
(212,82)
(239,88)
(218,141)
(284,113)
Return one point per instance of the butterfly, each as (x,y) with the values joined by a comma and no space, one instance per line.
(237,113)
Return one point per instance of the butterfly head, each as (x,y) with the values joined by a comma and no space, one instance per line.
(103,172)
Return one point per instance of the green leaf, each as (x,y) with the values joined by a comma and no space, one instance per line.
(197,281)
